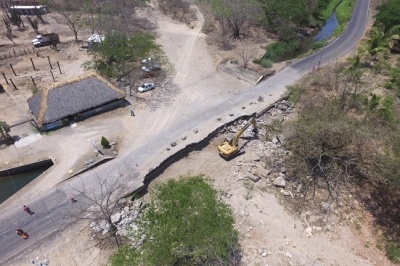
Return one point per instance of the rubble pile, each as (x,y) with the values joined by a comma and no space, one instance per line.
(123,220)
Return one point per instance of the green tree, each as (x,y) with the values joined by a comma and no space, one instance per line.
(377,46)
(118,55)
(388,15)
(5,137)
(186,223)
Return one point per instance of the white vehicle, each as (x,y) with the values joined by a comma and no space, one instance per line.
(146,87)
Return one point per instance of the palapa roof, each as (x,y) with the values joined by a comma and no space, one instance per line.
(72,97)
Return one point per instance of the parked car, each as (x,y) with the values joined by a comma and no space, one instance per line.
(146,87)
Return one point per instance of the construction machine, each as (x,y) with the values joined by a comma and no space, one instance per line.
(230,145)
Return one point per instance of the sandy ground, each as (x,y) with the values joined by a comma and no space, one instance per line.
(264,224)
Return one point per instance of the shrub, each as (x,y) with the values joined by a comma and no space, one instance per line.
(266,63)
(104,142)
(393,252)
(275,50)
(318,45)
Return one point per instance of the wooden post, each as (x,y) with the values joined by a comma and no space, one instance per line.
(14,53)
(58,64)
(34,68)
(9,53)
(51,67)
(13,69)
(4,75)
(33,81)
(12,82)
(52,75)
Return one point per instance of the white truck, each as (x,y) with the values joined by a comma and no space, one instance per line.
(45,39)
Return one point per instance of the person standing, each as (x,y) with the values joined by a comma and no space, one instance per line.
(28,210)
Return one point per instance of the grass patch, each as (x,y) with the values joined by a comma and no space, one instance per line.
(327,13)
(393,252)
(318,45)
(294,93)
(344,11)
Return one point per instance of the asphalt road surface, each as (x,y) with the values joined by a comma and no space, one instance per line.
(56,213)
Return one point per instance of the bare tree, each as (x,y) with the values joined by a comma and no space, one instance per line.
(71,11)
(34,24)
(246,53)
(8,34)
(236,14)
(103,197)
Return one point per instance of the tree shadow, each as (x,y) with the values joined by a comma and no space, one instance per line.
(384,204)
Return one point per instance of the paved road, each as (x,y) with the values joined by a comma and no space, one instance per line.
(154,152)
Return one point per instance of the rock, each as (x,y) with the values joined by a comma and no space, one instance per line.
(231,114)
(183,138)
(122,201)
(173,144)
(327,206)
(275,141)
(253,177)
(115,152)
(195,130)
(308,230)
(258,172)
(116,218)
(126,209)
(280,181)
(113,143)
(288,255)
(92,225)
(138,203)
(299,187)
(290,104)
(281,138)
(318,228)
(286,193)
(264,254)
(253,158)
(283,170)
(279,117)
(268,171)
(282,107)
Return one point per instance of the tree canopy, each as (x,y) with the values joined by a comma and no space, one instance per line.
(119,53)
(388,15)
(186,223)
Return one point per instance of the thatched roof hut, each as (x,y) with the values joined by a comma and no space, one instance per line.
(65,99)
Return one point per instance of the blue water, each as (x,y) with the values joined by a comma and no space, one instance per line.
(9,185)
(330,26)
(325,33)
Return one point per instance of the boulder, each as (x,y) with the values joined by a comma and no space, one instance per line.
(116,218)
(253,177)
(280,181)
(259,172)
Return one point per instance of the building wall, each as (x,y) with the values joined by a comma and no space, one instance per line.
(63,122)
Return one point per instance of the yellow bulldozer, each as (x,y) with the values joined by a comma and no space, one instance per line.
(230,145)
